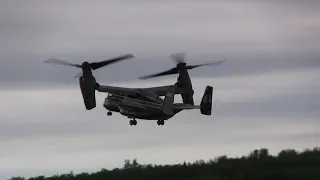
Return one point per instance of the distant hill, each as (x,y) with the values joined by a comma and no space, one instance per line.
(258,165)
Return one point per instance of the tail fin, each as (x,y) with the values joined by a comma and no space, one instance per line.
(206,102)
(167,106)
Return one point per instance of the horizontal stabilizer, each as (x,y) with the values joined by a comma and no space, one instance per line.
(182,106)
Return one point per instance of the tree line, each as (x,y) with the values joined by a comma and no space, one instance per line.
(257,165)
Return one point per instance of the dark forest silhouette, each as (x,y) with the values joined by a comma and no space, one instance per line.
(258,165)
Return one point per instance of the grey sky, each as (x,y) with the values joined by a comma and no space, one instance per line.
(266,94)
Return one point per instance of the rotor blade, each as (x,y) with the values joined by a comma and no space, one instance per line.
(206,64)
(78,75)
(164,73)
(60,62)
(179,57)
(97,65)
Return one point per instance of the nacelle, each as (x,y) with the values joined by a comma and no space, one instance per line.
(88,92)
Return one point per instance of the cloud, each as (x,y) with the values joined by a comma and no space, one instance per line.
(265,94)
(110,26)
(253,36)
(35,74)
(269,110)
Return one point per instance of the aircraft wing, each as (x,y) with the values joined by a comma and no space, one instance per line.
(123,91)
(151,93)
(117,90)
(162,90)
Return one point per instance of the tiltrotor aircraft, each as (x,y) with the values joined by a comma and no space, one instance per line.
(143,103)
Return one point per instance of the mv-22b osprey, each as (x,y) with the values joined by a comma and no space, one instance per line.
(143,103)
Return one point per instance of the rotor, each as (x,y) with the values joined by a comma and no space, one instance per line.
(89,66)
(179,60)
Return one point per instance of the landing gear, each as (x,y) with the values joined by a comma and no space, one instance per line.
(160,122)
(133,122)
(109,113)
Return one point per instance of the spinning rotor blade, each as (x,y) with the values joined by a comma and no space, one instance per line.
(179,58)
(97,65)
(61,62)
(93,66)
(164,73)
(206,64)
(78,75)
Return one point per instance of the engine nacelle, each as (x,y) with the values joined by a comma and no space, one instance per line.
(88,92)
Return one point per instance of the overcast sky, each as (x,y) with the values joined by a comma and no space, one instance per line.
(265,95)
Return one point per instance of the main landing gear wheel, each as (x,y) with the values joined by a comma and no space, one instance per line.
(133,122)
(160,122)
(109,113)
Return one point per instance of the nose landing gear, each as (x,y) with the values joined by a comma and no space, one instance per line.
(109,113)
(133,122)
(160,122)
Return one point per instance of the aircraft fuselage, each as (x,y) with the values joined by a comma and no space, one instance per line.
(136,108)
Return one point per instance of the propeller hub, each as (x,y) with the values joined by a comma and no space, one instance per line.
(181,65)
(86,65)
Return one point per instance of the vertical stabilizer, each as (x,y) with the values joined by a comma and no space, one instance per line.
(167,107)
(206,102)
